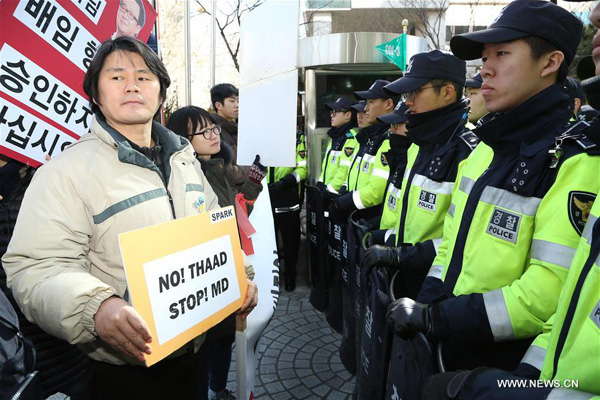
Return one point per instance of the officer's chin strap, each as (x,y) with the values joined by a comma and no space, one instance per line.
(574,133)
(463,119)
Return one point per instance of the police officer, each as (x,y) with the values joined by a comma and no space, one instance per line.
(350,151)
(342,133)
(476,101)
(396,157)
(284,189)
(437,113)
(522,197)
(569,348)
(566,354)
(368,175)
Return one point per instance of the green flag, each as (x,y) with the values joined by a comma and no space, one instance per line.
(395,50)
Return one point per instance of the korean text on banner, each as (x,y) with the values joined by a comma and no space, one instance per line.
(46,46)
(395,50)
(184,276)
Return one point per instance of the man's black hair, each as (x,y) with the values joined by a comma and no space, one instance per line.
(539,47)
(142,15)
(129,44)
(220,92)
(179,122)
(458,88)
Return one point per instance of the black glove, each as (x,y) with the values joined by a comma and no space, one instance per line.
(381,256)
(436,386)
(275,187)
(341,207)
(407,317)
(257,171)
(322,188)
(289,181)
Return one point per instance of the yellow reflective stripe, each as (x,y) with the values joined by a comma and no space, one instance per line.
(534,356)
(357,201)
(553,253)
(436,187)
(587,231)
(381,173)
(451,209)
(466,184)
(497,313)
(436,271)
(301,163)
(345,163)
(562,394)
(511,201)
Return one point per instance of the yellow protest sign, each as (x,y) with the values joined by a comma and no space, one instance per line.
(184,276)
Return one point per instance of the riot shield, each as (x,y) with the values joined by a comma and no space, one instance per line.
(373,367)
(348,345)
(317,247)
(335,240)
(359,275)
(411,361)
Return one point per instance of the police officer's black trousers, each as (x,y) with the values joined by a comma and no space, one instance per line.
(287,233)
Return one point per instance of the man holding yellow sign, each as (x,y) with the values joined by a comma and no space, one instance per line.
(63,263)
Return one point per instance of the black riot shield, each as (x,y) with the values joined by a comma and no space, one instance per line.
(373,367)
(359,276)
(334,265)
(317,247)
(348,346)
(411,361)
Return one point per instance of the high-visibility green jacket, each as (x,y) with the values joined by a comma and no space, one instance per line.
(369,171)
(336,163)
(573,349)
(433,163)
(396,157)
(513,226)
(441,143)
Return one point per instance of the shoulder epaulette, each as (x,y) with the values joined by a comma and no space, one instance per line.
(470,139)
(586,144)
(349,134)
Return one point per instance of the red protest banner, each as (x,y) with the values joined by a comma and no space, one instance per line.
(45,48)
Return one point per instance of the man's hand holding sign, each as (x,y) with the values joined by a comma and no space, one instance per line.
(118,324)
(184,277)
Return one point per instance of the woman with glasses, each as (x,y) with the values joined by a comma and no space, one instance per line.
(216,157)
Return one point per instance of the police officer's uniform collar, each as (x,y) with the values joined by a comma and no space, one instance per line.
(538,116)
(436,126)
(340,130)
(372,131)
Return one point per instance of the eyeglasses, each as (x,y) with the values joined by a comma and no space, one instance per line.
(333,112)
(410,96)
(208,132)
(128,13)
